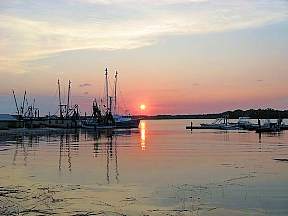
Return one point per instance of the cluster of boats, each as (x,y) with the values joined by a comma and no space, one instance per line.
(243,123)
(105,113)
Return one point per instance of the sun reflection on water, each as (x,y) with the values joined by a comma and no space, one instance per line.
(143,135)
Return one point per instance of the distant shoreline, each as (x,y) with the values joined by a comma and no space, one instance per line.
(251,113)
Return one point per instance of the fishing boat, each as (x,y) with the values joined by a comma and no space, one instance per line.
(122,121)
(98,120)
(68,117)
(106,116)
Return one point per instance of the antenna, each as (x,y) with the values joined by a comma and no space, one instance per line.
(15,102)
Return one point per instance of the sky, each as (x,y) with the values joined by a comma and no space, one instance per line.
(174,56)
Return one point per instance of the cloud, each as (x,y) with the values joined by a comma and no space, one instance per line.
(24,38)
(153,2)
(85,85)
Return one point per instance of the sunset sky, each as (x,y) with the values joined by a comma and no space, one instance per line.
(174,56)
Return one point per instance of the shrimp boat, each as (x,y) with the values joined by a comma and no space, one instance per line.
(28,115)
(108,117)
(98,120)
(122,121)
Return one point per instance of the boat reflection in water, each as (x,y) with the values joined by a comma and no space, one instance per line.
(104,150)
(143,135)
(70,151)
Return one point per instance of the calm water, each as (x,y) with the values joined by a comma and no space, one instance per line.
(160,169)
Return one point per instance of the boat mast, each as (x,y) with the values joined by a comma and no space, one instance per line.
(33,108)
(68,100)
(59,95)
(23,104)
(15,102)
(110,103)
(33,105)
(115,93)
(106,81)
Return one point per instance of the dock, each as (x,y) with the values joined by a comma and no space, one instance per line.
(272,127)
(219,124)
(197,127)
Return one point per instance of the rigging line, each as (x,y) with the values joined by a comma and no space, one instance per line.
(123,102)
(110,86)
(103,91)
(70,97)
(111,93)
(54,97)
(63,92)
(103,98)
(57,111)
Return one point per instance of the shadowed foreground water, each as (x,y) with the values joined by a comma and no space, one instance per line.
(158,169)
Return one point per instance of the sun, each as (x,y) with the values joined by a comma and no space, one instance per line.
(142,107)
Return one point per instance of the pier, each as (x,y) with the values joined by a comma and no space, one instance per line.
(242,124)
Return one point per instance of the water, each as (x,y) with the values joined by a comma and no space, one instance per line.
(158,169)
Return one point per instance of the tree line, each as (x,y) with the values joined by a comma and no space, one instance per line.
(268,113)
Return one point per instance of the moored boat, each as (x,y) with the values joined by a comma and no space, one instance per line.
(246,124)
(126,121)
(220,123)
(106,115)
(268,126)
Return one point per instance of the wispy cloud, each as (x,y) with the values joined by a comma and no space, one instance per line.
(85,85)
(28,37)
(139,1)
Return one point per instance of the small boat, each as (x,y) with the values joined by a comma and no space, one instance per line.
(217,124)
(246,124)
(125,121)
(268,126)
(220,123)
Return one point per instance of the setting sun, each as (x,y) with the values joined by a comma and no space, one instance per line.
(142,107)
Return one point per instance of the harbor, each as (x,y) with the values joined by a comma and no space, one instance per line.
(104,113)
(143,108)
